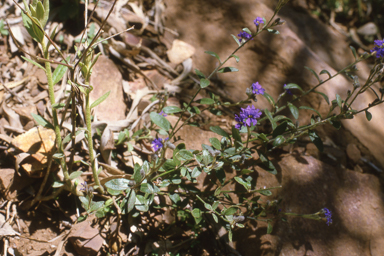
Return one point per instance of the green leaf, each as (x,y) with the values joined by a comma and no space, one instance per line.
(267,165)
(171,110)
(141,203)
(175,198)
(316,140)
(270,117)
(215,218)
(96,205)
(215,143)
(213,54)
(353,51)
(339,101)
(270,99)
(118,184)
(204,82)
(280,129)
(273,31)
(84,202)
(336,124)
(270,228)
(247,30)
(207,101)
(231,210)
(121,138)
(215,205)
(236,40)
(131,200)
(324,96)
(146,188)
(208,207)
(236,58)
(59,72)
(199,74)
(58,155)
(278,141)
(57,184)
(36,26)
(314,73)
(34,63)
(169,164)
(246,185)
(99,100)
(46,12)
(218,130)
(293,86)
(294,110)
(368,115)
(195,172)
(74,175)
(40,12)
(265,192)
(227,69)
(42,121)
(185,155)
(324,71)
(236,136)
(309,108)
(160,121)
(230,234)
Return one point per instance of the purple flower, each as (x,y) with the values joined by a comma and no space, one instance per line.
(84,186)
(328,215)
(257,89)
(248,117)
(157,144)
(162,113)
(244,35)
(258,21)
(379,48)
(240,121)
(288,90)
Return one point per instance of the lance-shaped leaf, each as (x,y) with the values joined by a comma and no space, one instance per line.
(59,72)
(160,121)
(99,100)
(213,54)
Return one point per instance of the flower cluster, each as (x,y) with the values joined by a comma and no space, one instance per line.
(328,215)
(244,35)
(158,143)
(162,113)
(247,117)
(258,21)
(257,89)
(379,48)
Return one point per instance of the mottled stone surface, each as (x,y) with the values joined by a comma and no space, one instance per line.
(107,77)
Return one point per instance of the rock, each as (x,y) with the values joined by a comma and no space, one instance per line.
(11,183)
(107,77)
(353,153)
(368,29)
(25,113)
(180,51)
(85,239)
(32,148)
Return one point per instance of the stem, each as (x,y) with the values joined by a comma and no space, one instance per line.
(90,141)
(56,125)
